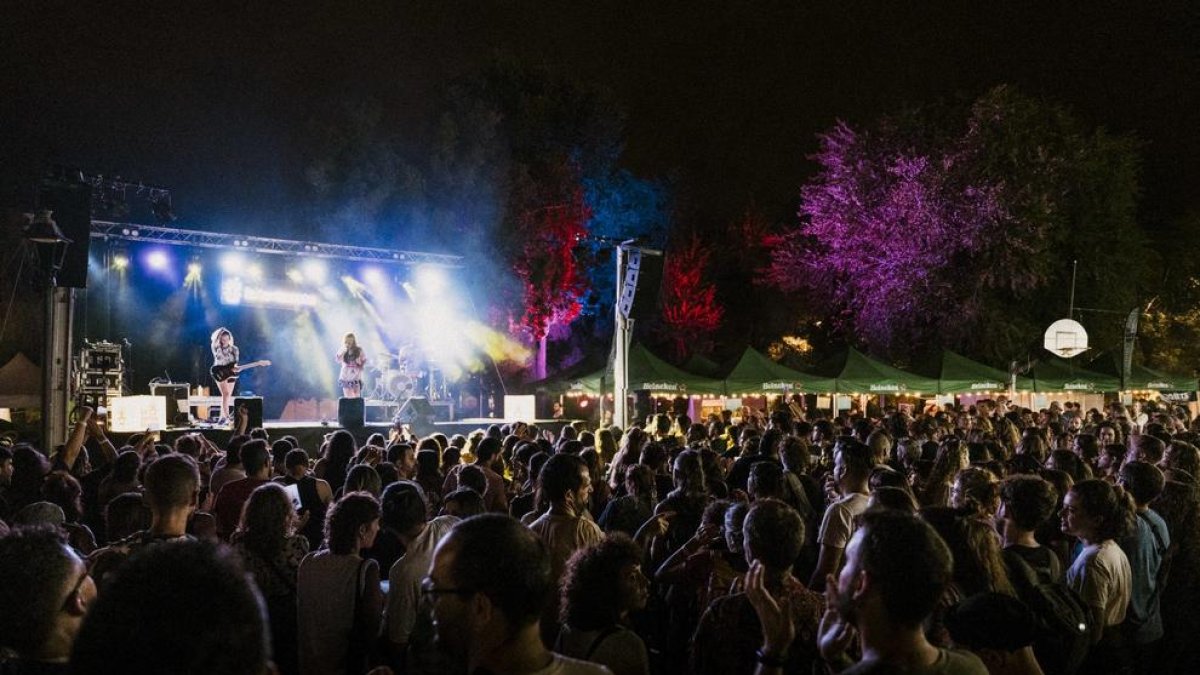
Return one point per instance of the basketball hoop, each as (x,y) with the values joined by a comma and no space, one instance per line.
(1066,338)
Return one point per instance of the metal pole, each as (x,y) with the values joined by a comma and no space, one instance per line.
(1071,305)
(620,351)
(56,365)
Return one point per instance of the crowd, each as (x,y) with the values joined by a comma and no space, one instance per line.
(967,540)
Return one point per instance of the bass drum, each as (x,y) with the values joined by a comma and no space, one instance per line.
(397,384)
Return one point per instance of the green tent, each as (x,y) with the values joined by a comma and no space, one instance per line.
(647,372)
(594,382)
(855,372)
(755,373)
(1140,377)
(1052,374)
(957,374)
(702,366)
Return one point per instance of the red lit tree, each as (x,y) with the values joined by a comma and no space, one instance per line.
(690,313)
(552,280)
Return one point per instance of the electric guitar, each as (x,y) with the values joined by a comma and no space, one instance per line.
(230,371)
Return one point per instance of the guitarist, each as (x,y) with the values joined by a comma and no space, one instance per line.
(225,368)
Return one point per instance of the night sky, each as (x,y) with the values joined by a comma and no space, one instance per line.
(723,99)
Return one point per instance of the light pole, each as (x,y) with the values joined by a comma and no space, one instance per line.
(629,266)
(51,246)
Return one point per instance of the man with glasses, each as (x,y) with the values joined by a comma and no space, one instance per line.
(45,594)
(488,583)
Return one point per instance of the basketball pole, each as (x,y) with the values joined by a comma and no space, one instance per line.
(1071,302)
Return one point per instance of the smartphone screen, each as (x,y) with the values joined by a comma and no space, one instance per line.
(293,492)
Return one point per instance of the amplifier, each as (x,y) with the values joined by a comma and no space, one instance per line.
(176,394)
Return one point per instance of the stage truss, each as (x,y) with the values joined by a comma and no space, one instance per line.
(156,234)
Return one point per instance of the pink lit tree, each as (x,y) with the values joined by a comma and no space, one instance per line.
(918,233)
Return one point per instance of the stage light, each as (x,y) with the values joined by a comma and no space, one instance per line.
(231,291)
(254,271)
(374,276)
(315,271)
(157,260)
(295,275)
(353,285)
(120,262)
(431,280)
(410,290)
(194,269)
(232,263)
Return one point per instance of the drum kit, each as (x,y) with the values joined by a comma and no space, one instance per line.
(394,377)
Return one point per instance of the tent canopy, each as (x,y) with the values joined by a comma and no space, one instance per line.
(701,365)
(756,373)
(647,372)
(1052,374)
(956,374)
(855,372)
(20,383)
(1140,377)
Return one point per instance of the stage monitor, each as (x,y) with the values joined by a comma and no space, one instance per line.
(131,414)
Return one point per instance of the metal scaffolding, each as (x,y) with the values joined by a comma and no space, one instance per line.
(108,231)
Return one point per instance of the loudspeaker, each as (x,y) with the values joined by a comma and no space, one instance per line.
(643,281)
(254,405)
(643,407)
(177,401)
(71,202)
(416,410)
(352,413)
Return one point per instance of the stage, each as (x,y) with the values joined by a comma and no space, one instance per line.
(312,434)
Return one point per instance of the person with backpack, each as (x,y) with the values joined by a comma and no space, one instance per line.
(1063,620)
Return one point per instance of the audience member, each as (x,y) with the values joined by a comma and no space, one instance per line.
(489,581)
(45,593)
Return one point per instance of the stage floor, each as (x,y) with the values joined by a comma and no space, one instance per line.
(312,434)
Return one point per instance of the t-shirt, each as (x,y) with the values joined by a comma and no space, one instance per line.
(621,651)
(838,524)
(404,600)
(1041,559)
(228,507)
(223,475)
(729,632)
(949,662)
(1145,551)
(1102,577)
(561,665)
(563,535)
(495,496)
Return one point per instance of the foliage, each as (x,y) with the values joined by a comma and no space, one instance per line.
(553,281)
(957,227)
(690,312)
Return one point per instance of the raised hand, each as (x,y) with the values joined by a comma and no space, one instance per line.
(775,614)
(834,633)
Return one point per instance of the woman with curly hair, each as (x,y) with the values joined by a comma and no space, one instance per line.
(271,550)
(601,586)
(1099,516)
